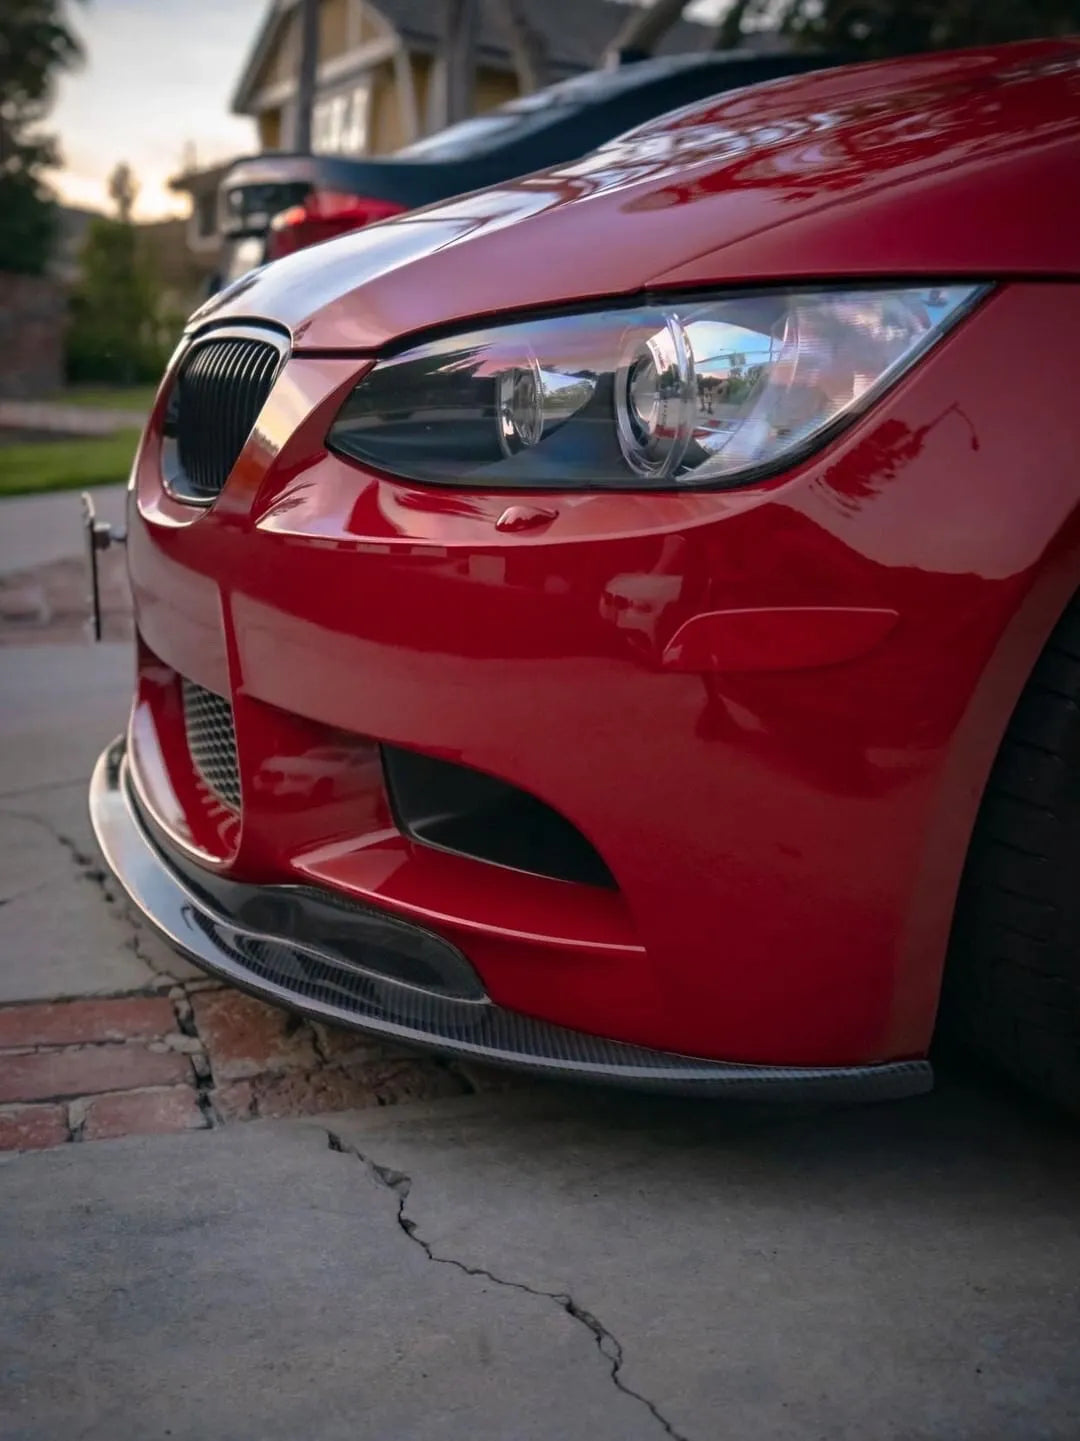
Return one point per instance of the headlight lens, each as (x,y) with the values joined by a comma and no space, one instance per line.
(693,393)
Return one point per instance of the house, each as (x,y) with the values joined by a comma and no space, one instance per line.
(203,233)
(381,75)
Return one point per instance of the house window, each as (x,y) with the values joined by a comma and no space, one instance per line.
(339,122)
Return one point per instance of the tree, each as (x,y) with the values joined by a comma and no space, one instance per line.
(119,331)
(123,188)
(870,29)
(35,44)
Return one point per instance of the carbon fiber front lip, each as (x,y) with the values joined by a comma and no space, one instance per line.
(306,979)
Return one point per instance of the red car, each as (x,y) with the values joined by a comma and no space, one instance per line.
(657,579)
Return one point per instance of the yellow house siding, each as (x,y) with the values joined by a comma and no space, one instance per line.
(282,62)
(493,87)
(343,25)
(386,132)
(333,28)
(269,123)
(372,26)
(421,73)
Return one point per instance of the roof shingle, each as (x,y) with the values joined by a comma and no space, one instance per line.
(575,34)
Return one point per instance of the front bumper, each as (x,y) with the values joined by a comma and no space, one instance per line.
(298,972)
(766,715)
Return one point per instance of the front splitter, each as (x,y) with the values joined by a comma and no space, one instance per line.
(308,979)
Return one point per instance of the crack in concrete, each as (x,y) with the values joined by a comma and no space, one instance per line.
(84,863)
(17,792)
(129,917)
(90,870)
(606,1343)
(71,846)
(27,891)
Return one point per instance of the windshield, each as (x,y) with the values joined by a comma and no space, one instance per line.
(468,137)
(519,117)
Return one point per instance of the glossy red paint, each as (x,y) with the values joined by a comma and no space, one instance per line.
(525,517)
(773,709)
(941,165)
(790,637)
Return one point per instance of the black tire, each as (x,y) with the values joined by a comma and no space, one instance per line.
(1012,983)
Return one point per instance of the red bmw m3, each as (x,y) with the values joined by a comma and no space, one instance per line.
(626,623)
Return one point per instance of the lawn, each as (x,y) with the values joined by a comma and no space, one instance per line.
(68,464)
(109,397)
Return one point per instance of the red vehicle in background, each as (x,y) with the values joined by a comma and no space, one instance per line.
(274,204)
(625,623)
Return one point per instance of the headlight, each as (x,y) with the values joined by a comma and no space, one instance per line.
(712,392)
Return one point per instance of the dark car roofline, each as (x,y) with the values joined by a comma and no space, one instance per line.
(275,166)
(606,82)
(279,166)
(659,65)
(330,172)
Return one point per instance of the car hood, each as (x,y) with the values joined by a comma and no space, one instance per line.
(941,165)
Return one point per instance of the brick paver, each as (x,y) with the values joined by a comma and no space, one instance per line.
(150,1112)
(244,1037)
(84,1070)
(68,1023)
(332,1088)
(100,1067)
(32,1128)
(348,1048)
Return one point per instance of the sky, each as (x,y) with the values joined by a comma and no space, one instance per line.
(158,76)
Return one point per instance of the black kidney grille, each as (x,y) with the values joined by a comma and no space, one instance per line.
(211,739)
(220,388)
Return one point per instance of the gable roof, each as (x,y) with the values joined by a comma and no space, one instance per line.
(575,34)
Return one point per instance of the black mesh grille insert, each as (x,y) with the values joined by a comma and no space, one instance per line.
(220,388)
(211,740)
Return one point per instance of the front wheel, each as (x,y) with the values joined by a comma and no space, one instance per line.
(1012,983)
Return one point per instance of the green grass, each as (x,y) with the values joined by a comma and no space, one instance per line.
(109,397)
(69,464)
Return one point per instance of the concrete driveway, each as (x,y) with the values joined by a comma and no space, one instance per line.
(482,1266)
(37,529)
(550,1265)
